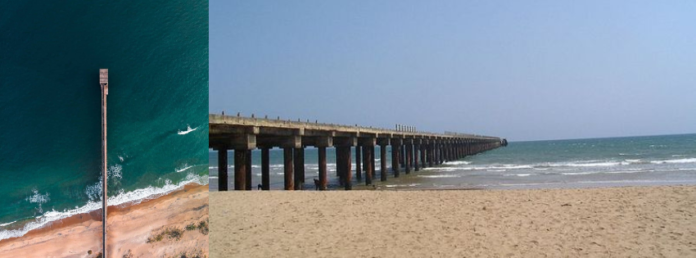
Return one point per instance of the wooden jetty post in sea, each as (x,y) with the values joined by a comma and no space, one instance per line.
(104,82)
(411,149)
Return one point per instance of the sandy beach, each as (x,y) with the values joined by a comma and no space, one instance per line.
(129,228)
(655,221)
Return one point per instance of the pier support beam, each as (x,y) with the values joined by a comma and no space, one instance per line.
(322,168)
(299,168)
(288,166)
(383,158)
(240,170)
(340,166)
(321,144)
(358,166)
(265,169)
(248,171)
(396,153)
(367,160)
(423,151)
(347,174)
(402,155)
(343,154)
(416,149)
(368,146)
(430,153)
(222,169)
(408,143)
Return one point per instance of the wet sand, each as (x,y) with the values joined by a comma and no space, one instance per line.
(129,228)
(657,221)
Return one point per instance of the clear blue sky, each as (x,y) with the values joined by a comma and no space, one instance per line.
(524,70)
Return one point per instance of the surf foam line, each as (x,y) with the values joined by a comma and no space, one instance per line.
(132,197)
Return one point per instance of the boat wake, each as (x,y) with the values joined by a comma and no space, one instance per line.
(188,130)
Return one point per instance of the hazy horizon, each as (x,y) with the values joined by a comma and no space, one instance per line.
(524,71)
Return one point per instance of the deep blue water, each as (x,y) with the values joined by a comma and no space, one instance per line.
(50,53)
(626,161)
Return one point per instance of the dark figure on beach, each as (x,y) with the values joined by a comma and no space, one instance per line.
(317,183)
(260,187)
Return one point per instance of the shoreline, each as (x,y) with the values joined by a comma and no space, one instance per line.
(129,226)
(617,221)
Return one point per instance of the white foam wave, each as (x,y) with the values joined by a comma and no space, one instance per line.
(115,171)
(599,164)
(455,163)
(135,196)
(674,161)
(7,224)
(440,176)
(39,199)
(188,130)
(519,175)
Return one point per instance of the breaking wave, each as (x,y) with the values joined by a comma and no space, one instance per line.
(132,197)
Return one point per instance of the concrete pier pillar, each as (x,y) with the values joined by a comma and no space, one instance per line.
(423,151)
(443,156)
(372,160)
(348,177)
(383,162)
(340,166)
(358,166)
(299,168)
(402,156)
(409,152)
(265,169)
(248,171)
(416,150)
(396,153)
(240,170)
(343,153)
(430,153)
(222,170)
(440,152)
(322,168)
(288,168)
(367,160)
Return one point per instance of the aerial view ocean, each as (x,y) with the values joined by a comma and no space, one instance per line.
(50,136)
(624,161)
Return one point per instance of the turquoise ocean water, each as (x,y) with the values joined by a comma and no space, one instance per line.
(50,53)
(626,161)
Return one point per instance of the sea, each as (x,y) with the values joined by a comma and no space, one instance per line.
(581,163)
(50,117)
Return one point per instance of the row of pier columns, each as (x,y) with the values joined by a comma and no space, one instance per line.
(407,154)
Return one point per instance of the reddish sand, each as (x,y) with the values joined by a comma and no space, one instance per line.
(129,227)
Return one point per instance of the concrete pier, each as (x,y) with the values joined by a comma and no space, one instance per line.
(410,150)
(104,84)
